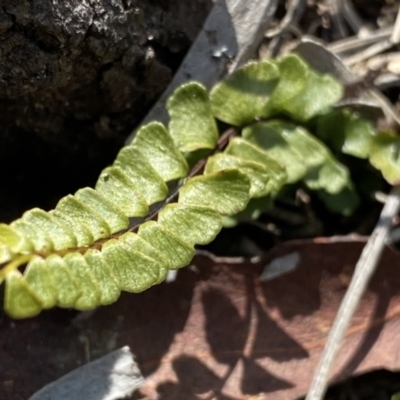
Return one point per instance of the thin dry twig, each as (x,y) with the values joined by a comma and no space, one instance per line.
(355,43)
(369,52)
(295,10)
(365,267)
(379,47)
(227,260)
(352,18)
(387,107)
(395,37)
(335,7)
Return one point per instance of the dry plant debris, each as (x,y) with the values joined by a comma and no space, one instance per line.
(225,334)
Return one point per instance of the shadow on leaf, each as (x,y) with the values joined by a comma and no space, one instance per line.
(226,330)
(195,382)
(273,342)
(257,380)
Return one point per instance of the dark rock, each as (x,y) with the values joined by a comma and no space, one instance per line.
(76,76)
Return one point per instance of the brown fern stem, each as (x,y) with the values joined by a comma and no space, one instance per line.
(173,197)
(196,170)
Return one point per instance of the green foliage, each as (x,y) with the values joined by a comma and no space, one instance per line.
(343,202)
(88,249)
(309,160)
(192,125)
(241,97)
(346,132)
(306,159)
(385,156)
(267,88)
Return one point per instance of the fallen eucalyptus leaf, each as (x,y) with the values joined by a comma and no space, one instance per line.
(224,333)
(280,266)
(111,377)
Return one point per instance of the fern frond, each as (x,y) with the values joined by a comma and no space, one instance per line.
(85,251)
(310,160)
(91,246)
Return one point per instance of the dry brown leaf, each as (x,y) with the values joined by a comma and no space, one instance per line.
(217,332)
(267,337)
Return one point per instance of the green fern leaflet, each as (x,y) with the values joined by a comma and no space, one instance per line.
(131,229)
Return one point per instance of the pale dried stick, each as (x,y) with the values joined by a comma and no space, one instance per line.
(354,43)
(369,52)
(379,47)
(335,8)
(395,37)
(352,18)
(295,10)
(365,267)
